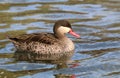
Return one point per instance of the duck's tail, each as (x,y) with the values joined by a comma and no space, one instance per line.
(11,38)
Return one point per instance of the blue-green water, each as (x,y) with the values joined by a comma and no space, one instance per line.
(97,21)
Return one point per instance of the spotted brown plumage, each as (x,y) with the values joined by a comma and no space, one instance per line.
(46,46)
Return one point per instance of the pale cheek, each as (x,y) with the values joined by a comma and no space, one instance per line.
(64,29)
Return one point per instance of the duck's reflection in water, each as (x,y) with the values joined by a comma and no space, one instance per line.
(60,63)
(44,58)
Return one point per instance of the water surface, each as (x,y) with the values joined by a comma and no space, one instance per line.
(97,21)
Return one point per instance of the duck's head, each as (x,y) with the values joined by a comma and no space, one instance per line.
(62,27)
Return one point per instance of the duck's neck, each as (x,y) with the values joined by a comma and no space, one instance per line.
(60,35)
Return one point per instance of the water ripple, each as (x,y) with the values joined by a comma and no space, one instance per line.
(53,16)
(97,51)
(98,45)
(85,8)
(19,9)
(108,19)
(30,1)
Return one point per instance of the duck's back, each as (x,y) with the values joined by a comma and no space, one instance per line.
(35,41)
(41,46)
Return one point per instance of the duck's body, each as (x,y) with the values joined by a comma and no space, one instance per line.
(46,46)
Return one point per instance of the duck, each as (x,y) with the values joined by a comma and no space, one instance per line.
(46,46)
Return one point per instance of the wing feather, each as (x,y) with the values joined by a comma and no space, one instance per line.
(47,38)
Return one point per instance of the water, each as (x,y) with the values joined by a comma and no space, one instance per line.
(97,21)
